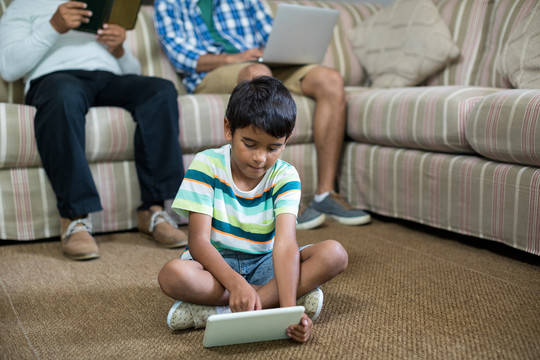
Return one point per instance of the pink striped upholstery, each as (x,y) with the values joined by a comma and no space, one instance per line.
(480,28)
(464,194)
(446,155)
(429,118)
(202,116)
(109,135)
(28,205)
(144,45)
(505,126)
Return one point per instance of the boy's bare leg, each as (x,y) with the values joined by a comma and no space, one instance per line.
(186,280)
(319,263)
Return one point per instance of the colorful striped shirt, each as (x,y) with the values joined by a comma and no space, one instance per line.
(241,220)
(245,24)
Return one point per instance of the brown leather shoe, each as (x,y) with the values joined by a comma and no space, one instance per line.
(76,239)
(157,225)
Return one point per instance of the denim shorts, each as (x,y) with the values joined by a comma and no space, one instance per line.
(257,269)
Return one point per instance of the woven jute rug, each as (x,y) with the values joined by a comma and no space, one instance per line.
(409,292)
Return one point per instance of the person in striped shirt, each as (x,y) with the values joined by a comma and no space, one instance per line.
(242,202)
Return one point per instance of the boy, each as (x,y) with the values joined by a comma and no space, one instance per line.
(242,202)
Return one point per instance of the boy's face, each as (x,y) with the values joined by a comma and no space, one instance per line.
(253,152)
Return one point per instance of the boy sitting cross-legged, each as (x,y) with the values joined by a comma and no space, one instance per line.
(242,202)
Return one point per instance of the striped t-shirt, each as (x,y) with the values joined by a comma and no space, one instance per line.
(241,220)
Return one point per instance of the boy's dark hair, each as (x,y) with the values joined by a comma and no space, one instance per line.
(265,103)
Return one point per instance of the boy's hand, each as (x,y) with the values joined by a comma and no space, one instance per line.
(301,332)
(113,37)
(70,15)
(244,298)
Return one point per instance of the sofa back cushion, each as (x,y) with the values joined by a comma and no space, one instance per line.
(10,92)
(144,44)
(480,28)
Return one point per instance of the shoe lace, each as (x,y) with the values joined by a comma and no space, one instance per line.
(341,201)
(78,225)
(159,217)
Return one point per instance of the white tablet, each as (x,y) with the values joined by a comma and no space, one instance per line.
(250,326)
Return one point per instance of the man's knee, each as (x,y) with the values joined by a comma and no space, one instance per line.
(254,70)
(156,87)
(324,79)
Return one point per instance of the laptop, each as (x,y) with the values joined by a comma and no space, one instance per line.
(300,35)
(250,326)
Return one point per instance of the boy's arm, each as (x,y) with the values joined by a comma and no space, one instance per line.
(242,295)
(286,259)
(287,273)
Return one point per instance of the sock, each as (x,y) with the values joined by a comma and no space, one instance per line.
(321,197)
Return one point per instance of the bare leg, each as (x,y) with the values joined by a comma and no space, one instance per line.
(326,86)
(319,263)
(186,280)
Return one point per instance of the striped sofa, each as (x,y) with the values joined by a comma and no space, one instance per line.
(460,152)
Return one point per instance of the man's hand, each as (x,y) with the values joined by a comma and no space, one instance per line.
(248,55)
(70,15)
(301,332)
(113,36)
(209,62)
(244,298)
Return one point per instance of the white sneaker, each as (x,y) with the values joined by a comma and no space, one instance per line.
(184,315)
(312,302)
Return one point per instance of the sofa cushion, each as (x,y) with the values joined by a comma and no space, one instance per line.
(428,118)
(202,115)
(12,92)
(480,28)
(403,44)
(520,58)
(109,135)
(143,43)
(505,126)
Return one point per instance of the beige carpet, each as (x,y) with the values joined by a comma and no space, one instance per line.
(407,294)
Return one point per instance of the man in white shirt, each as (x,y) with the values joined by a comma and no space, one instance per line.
(66,72)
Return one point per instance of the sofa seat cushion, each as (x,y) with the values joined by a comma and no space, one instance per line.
(427,118)
(505,126)
(109,135)
(202,116)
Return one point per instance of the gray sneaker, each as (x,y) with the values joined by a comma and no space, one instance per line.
(309,218)
(339,209)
